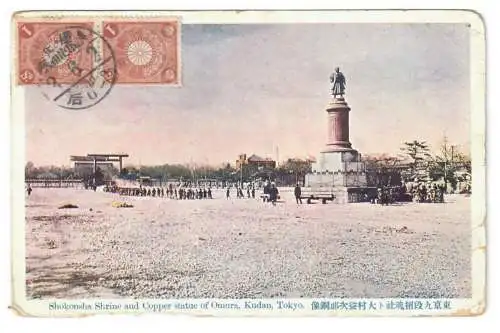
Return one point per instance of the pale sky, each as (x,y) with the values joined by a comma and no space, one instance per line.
(252,88)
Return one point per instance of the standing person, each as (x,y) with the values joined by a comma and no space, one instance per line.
(227,193)
(267,188)
(423,193)
(253,192)
(441,193)
(298,193)
(248,192)
(432,193)
(29,190)
(379,196)
(426,193)
(273,194)
(209,193)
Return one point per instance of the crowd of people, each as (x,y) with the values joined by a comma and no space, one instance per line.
(170,192)
(428,193)
(270,192)
(250,192)
(190,193)
(416,192)
(388,195)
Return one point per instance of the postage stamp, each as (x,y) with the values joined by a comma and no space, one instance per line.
(52,52)
(304,163)
(146,52)
(65,60)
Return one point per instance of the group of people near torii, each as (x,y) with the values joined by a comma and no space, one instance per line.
(270,192)
(168,192)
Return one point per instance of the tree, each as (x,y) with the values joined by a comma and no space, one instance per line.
(110,173)
(29,169)
(418,154)
(447,163)
(383,170)
(381,162)
(295,167)
(464,161)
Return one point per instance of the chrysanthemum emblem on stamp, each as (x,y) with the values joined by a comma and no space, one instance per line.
(146,52)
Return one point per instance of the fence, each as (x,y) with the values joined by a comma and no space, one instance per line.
(57,183)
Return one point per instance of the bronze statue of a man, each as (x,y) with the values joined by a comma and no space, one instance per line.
(338,81)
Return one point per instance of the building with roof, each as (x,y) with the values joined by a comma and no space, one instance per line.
(255,161)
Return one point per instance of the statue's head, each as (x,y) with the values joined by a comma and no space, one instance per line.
(337,69)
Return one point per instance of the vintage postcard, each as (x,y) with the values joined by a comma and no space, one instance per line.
(252,163)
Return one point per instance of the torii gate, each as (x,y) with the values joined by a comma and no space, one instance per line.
(100,158)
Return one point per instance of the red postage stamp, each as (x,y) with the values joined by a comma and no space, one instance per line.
(146,52)
(51,52)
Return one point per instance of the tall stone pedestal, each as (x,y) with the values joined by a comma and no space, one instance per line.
(339,169)
(338,126)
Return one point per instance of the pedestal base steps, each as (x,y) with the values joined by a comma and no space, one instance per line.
(339,194)
(340,174)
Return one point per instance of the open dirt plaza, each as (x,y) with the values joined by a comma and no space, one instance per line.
(243,248)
